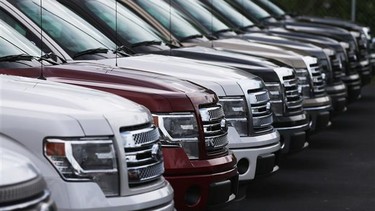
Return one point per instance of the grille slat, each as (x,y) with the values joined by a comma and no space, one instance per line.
(215,130)
(262,116)
(293,98)
(337,68)
(318,80)
(143,154)
(146,173)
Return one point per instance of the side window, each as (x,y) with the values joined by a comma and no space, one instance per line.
(4,16)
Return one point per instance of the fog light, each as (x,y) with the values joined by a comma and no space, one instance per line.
(193,196)
(243,166)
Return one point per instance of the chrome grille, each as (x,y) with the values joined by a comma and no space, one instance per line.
(26,196)
(293,98)
(215,130)
(317,80)
(326,70)
(143,154)
(337,68)
(344,61)
(363,47)
(146,137)
(261,111)
(146,172)
(352,61)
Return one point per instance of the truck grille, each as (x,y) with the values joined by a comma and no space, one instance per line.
(293,98)
(326,70)
(29,195)
(261,111)
(345,62)
(215,130)
(363,47)
(353,61)
(143,154)
(337,68)
(317,80)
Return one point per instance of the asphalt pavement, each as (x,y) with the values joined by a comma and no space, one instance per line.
(336,172)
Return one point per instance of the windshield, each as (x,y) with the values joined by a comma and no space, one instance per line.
(231,14)
(129,26)
(169,17)
(13,43)
(71,32)
(200,13)
(273,8)
(253,9)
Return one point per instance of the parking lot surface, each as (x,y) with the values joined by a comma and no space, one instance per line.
(337,171)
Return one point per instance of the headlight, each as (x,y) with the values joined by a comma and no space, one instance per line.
(345,45)
(85,159)
(366,31)
(236,113)
(355,34)
(329,52)
(303,82)
(180,130)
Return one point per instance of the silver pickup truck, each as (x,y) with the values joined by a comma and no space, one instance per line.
(21,185)
(95,150)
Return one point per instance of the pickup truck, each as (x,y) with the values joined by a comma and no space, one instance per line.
(22,186)
(96,151)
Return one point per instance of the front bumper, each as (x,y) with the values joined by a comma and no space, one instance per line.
(365,72)
(353,84)
(338,93)
(372,62)
(200,184)
(248,154)
(318,110)
(292,130)
(84,196)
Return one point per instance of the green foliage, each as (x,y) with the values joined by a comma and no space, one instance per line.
(365,9)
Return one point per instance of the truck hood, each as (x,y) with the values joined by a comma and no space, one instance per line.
(223,81)
(159,93)
(331,21)
(351,26)
(211,54)
(131,77)
(320,29)
(293,38)
(80,108)
(272,56)
(284,48)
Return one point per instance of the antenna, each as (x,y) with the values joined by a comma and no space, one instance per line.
(116,32)
(170,26)
(41,39)
(212,20)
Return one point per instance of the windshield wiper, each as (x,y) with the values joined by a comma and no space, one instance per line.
(147,43)
(265,18)
(247,27)
(191,37)
(52,58)
(223,31)
(17,57)
(90,51)
(124,50)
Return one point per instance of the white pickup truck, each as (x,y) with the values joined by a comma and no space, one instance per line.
(96,151)
(21,185)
